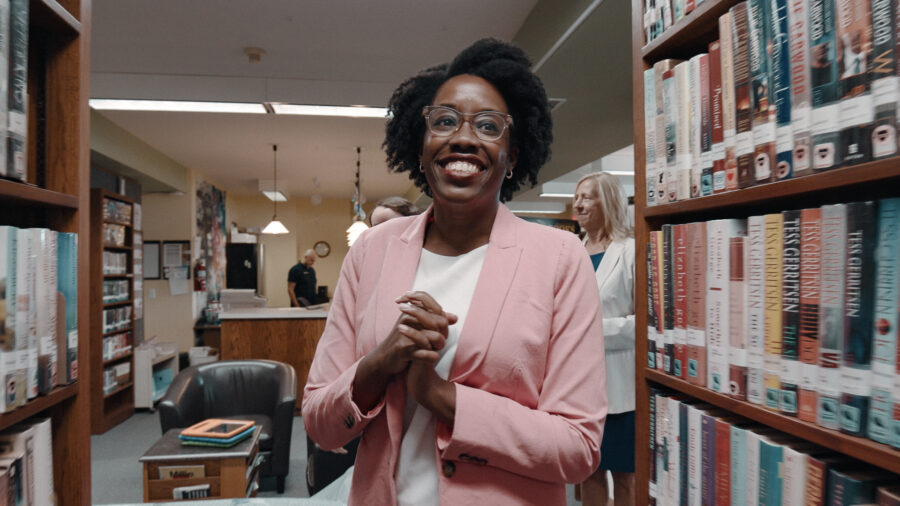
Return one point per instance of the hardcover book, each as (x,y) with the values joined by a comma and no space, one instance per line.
(651,309)
(884,81)
(650,134)
(696,307)
(4,85)
(790,312)
(661,315)
(760,92)
(781,90)
(683,153)
(737,318)
(774,234)
(771,456)
(708,460)
(8,287)
(717,133)
(854,41)
(17,120)
(679,333)
(695,124)
(824,77)
(665,147)
(46,297)
(739,469)
(801,97)
(706,156)
(859,309)
(718,233)
(668,277)
(756,337)
(810,277)
(831,313)
(887,303)
(656,294)
(670,101)
(856,485)
(729,128)
(67,281)
(742,101)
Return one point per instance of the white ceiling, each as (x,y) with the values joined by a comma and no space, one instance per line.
(335,52)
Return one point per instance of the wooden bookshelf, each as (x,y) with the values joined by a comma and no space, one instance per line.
(872,180)
(109,410)
(55,195)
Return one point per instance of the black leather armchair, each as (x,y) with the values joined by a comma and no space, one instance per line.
(264,391)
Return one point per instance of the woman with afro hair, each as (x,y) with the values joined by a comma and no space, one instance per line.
(464,344)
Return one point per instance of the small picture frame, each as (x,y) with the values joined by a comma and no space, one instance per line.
(151,259)
(175,254)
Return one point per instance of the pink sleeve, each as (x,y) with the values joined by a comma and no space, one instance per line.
(559,441)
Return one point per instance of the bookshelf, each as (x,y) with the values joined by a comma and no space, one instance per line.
(114,401)
(55,195)
(867,181)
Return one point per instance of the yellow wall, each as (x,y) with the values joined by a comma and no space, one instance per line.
(307,224)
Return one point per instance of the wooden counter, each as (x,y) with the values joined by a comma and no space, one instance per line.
(284,334)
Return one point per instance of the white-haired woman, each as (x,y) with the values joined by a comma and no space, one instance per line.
(601,208)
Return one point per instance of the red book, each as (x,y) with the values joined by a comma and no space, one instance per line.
(679,237)
(810,284)
(737,318)
(723,462)
(718,132)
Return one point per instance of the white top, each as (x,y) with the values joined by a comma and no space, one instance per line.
(451,281)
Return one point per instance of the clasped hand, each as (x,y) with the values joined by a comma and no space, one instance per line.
(418,335)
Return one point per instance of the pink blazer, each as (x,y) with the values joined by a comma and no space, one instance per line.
(529,369)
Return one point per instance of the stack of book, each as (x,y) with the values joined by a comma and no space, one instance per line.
(791,87)
(217,432)
(795,311)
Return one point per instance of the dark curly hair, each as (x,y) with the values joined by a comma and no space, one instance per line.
(508,69)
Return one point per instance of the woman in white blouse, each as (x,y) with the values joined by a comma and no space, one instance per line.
(601,209)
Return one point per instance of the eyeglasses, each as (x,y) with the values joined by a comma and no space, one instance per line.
(488,125)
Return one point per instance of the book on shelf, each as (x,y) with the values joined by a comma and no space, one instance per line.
(810,280)
(801,96)
(20,441)
(756,336)
(737,317)
(680,276)
(763,124)
(885,321)
(696,304)
(831,313)
(17,91)
(67,281)
(825,84)
(684,158)
(12,471)
(883,79)
(780,90)
(773,228)
(854,40)
(729,128)
(668,281)
(790,312)
(650,134)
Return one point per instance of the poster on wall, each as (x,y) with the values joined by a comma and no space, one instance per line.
(211,230)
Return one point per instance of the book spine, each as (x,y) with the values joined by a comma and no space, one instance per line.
(665,146)
(696,321)
(668,298)
(738,466)
(661,334)
(729,129)
(824,77)
(650,134)
(683,449)
(772,359)
(7,289)
(781,90)
(651,309)
(884,81)
(770,481)
(756,342)
(885,320)
(844,488)
(810,280)
(670,100)
(760,92)
(854,40)
(723,462)
(46,311)
(17,120)
(816,472)
(683,151)
(657,300)
(4,82)
(651,427)
(753,465)
(790,312)
(679,236)
(831,313)
(67,279)
(742,95)
(793,476)
(801,98)
(708,437)
(706,156)
(26,311)
(859,306)
(737,318)
(662,447)
(717,305)
(717,134)
(674,452)
(696,127)
(695,456)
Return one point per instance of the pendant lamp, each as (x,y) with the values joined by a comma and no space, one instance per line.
(275,227)
(359,216)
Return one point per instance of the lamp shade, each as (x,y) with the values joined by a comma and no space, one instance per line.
(356,228)
(275,227)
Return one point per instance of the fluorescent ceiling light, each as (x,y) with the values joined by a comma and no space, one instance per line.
(331,110)
(175,106)
(276,196)
(620,172)
(558,195)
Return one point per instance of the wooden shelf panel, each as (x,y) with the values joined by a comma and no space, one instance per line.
(120,303)
(119,331)
(25,194)
(119,389)
(113,222)
(786,193)
(35,406)
(118,275)
(52,16)
(860,448)
(702,20)
(118,248)
(117,359)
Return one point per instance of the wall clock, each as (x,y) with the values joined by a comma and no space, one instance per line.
(322,249)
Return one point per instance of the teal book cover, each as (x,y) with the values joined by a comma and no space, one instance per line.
(67,284)
(884,345)
(738,466)
(770,460)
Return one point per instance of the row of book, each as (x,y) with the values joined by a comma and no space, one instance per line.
(660,15)
(26,464)
(13,88)
(790,88)
(117,346)
(116,376)
(796,311)
(116,210)
(38,312)
(703,455)
(115,263)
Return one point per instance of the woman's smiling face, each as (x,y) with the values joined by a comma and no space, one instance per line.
(461,167)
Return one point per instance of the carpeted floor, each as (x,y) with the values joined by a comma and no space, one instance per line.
(116,473)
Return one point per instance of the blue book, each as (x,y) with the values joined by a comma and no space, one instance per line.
(826,133)
(855,485)
(219,441)
(738,466)
(884,340)
(781,90)
(770,486)
(67,284)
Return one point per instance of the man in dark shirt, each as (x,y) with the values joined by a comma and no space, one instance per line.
(302,281)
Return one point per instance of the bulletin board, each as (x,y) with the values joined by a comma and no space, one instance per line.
(175,255)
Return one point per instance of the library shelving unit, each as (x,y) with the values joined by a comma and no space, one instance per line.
(868,181)
(153,372)
(112,236)
(55,195)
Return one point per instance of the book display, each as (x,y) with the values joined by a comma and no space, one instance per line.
(44,212)
(767,305)
(112,308)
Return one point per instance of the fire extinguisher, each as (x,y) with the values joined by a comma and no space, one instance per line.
(200,276)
